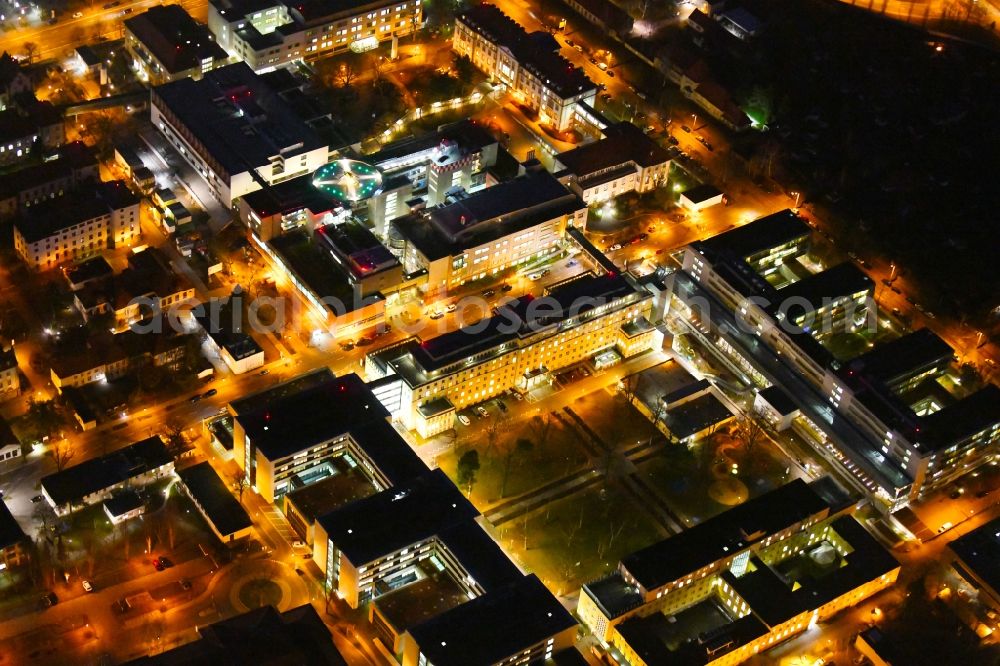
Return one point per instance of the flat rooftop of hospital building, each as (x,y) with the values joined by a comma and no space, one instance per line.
(730,531)
(762,234)
(895,360)
(395,518)
(487,215)
(241,122)
(493,627)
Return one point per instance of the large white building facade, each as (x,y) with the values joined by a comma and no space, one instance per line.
(267,35)
(240,136)
(518,348)
(527,64)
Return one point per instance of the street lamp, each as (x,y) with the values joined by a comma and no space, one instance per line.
(892,271)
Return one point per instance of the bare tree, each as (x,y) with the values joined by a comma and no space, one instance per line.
(174,439)
(661,410)
(62,452)
(30,50)
(541,428)
(750,432)
(346,74)
(574,529)
(240,483)
(496,426)
(629,385)
(522,448)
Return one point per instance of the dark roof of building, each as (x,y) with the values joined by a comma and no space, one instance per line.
(569,657)
(493,627)
(122,502)
(290,196)
(10,68)
(404,514)
(88,55)
(775,600)
(8,359)
(74,483)
(538,52)
(611,15)
(695,415)
(356,248)
(91,269)
(242,123)
(613,594)
(779,399)
(7,436)
(263,637)
(900,359)
(728,532)
(103,348)
(53,215)
(758,236)
(979,552)
(10,531)
(622,143)
(886,647)
(71,157)
(175,39)
(647,636)
(842,280)
(218,504)
(296,420)
(480,555)
(701,193)
(225,328)
(961,420)
(487,215)
(469,136)
(148,273)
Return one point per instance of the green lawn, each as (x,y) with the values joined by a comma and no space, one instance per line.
(579,538)
(553,453)
(683,478)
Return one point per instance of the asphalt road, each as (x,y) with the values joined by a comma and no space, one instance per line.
(53,41)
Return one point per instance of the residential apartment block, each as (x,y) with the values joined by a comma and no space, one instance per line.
(78,224)
(96,479)
(748,564)
(266,35)
(528,64)
(242,136)
(427,381)
(147,287)
(74,166)
(105,357)
(13,541)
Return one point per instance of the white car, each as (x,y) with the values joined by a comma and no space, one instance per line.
(464,420)
(482,411)
(534,276)
(451,307)
(78,15)
(88,586)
